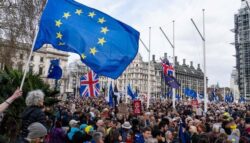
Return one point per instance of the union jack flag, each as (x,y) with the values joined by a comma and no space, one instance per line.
(89,85)
(167,68)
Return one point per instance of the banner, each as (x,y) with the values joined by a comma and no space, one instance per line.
(195,103)
(137,107)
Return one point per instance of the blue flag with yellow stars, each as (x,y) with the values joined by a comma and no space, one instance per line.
(55,70)
(172,82)
(104,44)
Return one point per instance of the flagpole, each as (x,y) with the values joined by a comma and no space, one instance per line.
(173,46)
(126,88)
(245,89)
(173,63)
(204,58)
(224,93)
(148,50)
(149,45)
(27,63)
(197,88)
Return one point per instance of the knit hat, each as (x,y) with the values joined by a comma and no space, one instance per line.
(36,130)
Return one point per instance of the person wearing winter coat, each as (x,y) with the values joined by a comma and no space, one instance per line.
(33,112)
(57,134)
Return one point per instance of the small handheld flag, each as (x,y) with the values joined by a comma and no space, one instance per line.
(104,44)
(55,71)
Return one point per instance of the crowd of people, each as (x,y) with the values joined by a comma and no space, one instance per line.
(92,120)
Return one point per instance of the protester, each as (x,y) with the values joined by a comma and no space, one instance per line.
(94,121)
(6,103)
(36,133)
(98,137)
(57,134)
(33,112)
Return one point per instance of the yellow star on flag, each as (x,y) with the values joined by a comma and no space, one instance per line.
(59,35)
(58,23)
(101,41)
(78,11)
(101,20)
(93,51)
(66,15)
(83,56)
(104,30)
(92,14)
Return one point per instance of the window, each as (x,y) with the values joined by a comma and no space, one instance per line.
(41,59)
(31,69)
(32,58)
(40,70)
(21,56)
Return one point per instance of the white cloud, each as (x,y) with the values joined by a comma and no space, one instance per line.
(142,14)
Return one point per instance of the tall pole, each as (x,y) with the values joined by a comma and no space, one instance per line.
(148,98)
(173,64)
(197,88)
(245,89)
(28,62)
(204,64)
(126,88)
(224,93)
(234,94)
(204,58)
(173,46)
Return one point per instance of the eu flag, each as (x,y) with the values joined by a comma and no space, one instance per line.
(55,70)
(104,44)
(130,92)
(172,82)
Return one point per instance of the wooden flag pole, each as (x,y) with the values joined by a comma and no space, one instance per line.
(28,61)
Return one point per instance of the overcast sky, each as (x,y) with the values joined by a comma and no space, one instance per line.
(219,17)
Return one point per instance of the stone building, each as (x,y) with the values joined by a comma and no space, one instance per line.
(40,62)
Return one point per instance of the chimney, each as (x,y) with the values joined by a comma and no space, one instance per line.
(175,59)
(184,61)
(191,63)
(198,66)
(153,58)
(165,55)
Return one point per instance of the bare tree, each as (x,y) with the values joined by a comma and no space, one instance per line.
(18,22)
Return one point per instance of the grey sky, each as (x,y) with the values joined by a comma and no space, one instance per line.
(142,14)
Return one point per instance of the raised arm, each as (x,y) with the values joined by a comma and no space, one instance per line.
(6,103)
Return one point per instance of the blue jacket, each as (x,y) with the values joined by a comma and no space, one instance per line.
(72,132)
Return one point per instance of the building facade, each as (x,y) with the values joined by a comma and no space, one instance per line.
(242,47)
(136,75)
(40,62)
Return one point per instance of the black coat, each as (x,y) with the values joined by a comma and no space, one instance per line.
(30,115)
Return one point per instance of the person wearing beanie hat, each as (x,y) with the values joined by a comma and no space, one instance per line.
(37,132)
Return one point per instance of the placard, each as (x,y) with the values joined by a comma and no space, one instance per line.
(137,107)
